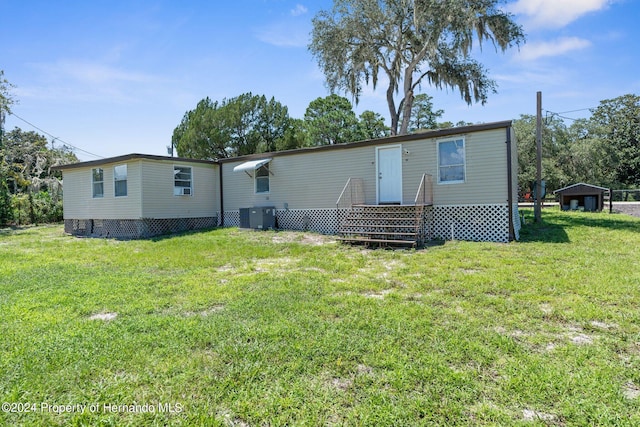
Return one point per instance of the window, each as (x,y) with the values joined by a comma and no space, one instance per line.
(120,180)
(262,179)
(451,161)
(182,181)
(98,182)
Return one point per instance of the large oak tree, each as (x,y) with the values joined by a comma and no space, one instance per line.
(411,42)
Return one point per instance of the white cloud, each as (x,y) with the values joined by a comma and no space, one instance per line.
(282,38)
(285,34)
(555,13)
(85,81)
(94,73)
(299,10)
(532,51)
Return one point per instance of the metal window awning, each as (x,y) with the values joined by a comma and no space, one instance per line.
(251,165)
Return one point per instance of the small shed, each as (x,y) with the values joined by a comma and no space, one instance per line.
(581,196)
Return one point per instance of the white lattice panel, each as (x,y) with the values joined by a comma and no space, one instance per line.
(459,222)
(231,219)
(471,222)
(317,220)
(517,225)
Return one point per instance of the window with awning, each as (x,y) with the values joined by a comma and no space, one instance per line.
(261,172)
(251,165)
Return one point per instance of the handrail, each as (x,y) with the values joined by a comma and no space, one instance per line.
(352,194)
(344,190)
(424,196)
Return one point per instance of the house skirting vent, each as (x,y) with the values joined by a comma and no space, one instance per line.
(135,228)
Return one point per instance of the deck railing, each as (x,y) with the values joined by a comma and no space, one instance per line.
(352,194)
(424,196)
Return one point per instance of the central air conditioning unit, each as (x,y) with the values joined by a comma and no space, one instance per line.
(262,218)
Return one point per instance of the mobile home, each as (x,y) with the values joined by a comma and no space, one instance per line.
(464,179)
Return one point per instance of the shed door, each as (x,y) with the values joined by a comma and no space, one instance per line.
(389,174)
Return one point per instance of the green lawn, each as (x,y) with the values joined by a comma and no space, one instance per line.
(242,328)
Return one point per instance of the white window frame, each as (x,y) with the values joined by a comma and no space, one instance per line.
(94,182)
(266,177)
(177,190)
(116,180)
(463,164)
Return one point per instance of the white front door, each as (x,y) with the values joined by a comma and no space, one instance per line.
(389,160)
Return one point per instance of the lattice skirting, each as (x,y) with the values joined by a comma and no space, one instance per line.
(517,225)
(471,222)
(459,222)
(323,221)
(135,228)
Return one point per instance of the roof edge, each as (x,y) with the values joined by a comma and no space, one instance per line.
(577,184)
(127,157)
(437,133)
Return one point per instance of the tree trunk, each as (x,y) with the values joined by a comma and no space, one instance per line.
(392,110)
(408,101)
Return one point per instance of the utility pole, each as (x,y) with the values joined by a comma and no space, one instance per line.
(537,210)
(1,125)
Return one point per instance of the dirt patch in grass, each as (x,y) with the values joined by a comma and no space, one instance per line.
(571,334)
(230,420)
(303,238)
(342,384)
(271,264)
(103,316)
(603,325)
(206,312)
(226,268)
(531,415)
(631,391)
(378,295)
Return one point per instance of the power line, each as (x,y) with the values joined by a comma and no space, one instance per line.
(55,137)
(574,111)
(560,114)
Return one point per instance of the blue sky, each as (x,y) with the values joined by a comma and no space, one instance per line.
(116,77)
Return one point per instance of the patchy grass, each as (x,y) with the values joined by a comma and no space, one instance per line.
(231,327)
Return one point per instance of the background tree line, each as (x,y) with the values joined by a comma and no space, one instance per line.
(30,192)
(602,150)
(249,124)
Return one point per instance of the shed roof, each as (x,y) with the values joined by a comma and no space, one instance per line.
(580,188)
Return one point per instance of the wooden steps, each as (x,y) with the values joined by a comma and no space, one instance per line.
(383,225)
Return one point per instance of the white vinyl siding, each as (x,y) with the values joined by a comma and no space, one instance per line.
(485,172)
(97,177)
(314,180)
(79,202)
(120,180)
(182,181)
(301,181)
(451,161)
(158,200)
